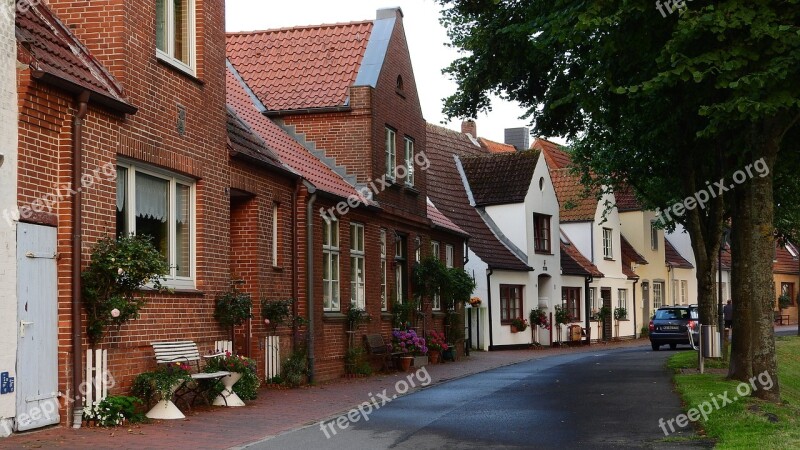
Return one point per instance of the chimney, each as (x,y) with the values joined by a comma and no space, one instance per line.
(470,127)
(518,137)
(389,13)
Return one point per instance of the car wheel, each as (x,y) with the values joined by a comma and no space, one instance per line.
(673,346)
(655,346)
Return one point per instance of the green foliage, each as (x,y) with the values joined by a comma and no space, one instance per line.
(278,312)
(563,316)
(247,386)
(295,368)
(520,324)
(644,332)
(402,313)
(113,411)
(459,288)
(233,308)
(277,379)
(620,313)
(356,363)
(429,277)
(784,301)
(604,313)
(158,384)
(119,268)
(538,318)
(356,316)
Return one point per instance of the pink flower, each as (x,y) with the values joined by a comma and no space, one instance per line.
(115,313)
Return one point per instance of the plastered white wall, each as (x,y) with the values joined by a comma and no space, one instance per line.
(8,201)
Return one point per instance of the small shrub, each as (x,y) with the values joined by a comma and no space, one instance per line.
(355,363)
(295,368)
(276,313)
(113,411)
(247,387)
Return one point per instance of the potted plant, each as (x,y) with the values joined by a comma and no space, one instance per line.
(401,314)
(475,302)
(276,313)
(162,383)
(232,308)
(562,317)
(436,345)
(784,301)
(519,324)
(604,314)
(409,344)
(620,313)
(356,316)
(538,319)
(111,283)
(243,372)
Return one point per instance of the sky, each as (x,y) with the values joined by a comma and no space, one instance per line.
(426,40)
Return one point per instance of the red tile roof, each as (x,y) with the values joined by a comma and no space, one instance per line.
(496,147)
(244,143)
(441,221)
(626,199)
(673,258)
(574,263)
(576,205)
(555,157)
(784,261)
(56,56)
(302,67)
(288,149)
(629,257)
(446,191)
(500,178)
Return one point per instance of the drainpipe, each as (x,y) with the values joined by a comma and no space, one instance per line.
(489,273)
(588,305)
(77,224)
(295,250)
(310,276)
(634,308)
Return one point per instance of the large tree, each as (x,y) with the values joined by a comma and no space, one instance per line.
(667,101)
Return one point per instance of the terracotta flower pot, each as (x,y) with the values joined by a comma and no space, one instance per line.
(514,329)
(405,363)
(433,356)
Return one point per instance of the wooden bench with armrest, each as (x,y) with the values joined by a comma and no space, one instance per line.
(186,352)
(377,348)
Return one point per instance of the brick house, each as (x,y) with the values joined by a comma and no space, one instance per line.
(346,93)
(160,167)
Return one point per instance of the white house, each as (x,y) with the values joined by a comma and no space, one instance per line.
(8,202)
(506,202)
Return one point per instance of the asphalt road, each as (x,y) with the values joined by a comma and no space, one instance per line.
(607,399)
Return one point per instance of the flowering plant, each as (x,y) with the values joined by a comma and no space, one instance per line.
(539,318)
(161,381)
(520,324)
(475,302)
(232,363)
(436,341)
(563,315)
(408,342)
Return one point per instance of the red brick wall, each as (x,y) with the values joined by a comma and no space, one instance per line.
(121,35)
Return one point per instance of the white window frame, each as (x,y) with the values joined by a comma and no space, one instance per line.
(169,32)
(608,243)
(172,280)
(357,262)
(384,300)
(684,292)
(622,298)
(391,154)
(593,300)
(675,284)
(658,294)
(328,252)
(409,153)
(435,249)
(448,256)
(653,236)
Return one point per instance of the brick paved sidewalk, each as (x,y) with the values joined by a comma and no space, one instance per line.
(275,412)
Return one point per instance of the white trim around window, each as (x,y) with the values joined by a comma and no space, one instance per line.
(176,42)
(448,256)
(357,267)
(149,197)
(330,265)
(409,154)
(391,154)
(608,243)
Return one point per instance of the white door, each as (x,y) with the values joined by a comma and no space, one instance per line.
(37,327)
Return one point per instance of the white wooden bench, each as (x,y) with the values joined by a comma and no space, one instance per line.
(186,351)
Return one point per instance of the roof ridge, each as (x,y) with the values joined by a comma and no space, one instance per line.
(298,27)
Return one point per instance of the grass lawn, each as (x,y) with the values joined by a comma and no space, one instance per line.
(745,422)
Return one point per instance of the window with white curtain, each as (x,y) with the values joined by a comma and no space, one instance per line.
(158,204)
(330,265)
(357,270)
(384,303)
(448,256)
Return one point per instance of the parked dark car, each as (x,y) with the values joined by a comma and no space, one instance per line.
(669,325)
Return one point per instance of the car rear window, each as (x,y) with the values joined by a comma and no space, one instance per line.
(674,314)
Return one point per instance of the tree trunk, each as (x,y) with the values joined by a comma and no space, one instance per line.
(753,244)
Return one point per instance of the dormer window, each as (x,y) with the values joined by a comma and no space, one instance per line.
(175,33)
